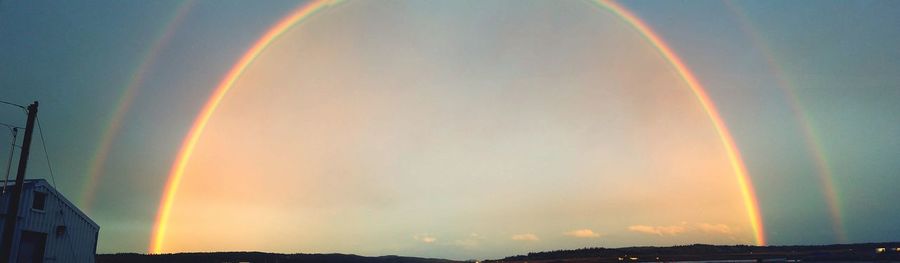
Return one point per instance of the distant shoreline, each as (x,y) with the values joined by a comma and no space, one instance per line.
(862,252)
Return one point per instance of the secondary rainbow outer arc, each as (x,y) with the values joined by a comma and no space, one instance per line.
(95,171)
(823,170)
(304,11)
(748,194)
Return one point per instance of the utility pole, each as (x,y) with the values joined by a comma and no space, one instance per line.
(12,209)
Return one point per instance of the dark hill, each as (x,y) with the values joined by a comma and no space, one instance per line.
(220,257)
(699,252)
(868,252)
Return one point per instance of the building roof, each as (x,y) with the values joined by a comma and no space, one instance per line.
(52,190)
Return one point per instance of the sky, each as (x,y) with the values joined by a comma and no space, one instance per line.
(462,129)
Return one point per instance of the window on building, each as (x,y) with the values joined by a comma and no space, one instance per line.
(39,200)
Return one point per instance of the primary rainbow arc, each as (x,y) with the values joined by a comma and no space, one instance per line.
(751,203)
(304,11)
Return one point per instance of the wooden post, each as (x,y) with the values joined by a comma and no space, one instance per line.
(12,209)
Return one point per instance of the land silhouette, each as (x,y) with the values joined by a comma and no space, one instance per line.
(863,252)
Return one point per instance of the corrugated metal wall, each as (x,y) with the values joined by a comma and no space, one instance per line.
(76,244)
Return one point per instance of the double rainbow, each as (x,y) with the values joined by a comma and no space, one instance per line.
(176,173)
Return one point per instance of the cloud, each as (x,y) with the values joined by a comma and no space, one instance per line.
(425,238)
(658,230)
(582,233)
(525,237)
(714,228)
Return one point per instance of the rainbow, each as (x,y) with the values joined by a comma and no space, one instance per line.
(823,171)
(304,11)
(751,203)
(95,171)
(190,141)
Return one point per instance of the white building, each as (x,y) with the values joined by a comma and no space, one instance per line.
(49,228)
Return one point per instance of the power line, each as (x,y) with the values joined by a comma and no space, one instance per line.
(46,155)
(10,126)
(13,104)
